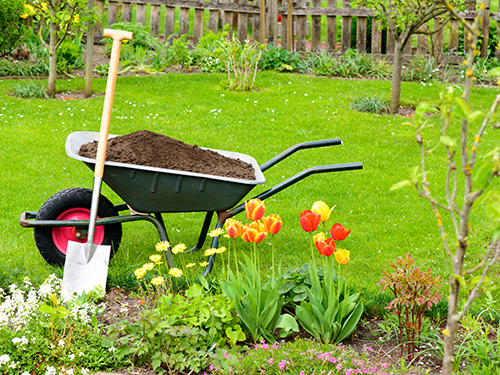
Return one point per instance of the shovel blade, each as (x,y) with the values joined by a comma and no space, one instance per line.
(85,268)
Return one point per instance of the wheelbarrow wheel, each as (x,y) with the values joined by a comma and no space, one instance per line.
(73,204)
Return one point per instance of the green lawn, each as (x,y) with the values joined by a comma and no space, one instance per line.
(287,109)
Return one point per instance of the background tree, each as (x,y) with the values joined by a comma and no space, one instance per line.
(402,19)
(470,169)
(63,18)
(11,24)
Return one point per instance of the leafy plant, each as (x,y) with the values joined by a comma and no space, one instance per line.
(142,36)
(421,69)
(208,54)
(370,104)
(30,89)
(280,59)
(23,68)
(180,52)
(414,293)
(294,284)
(69,56)
(141,61)
(11,24)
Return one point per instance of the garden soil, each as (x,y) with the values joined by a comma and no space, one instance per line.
(160,151)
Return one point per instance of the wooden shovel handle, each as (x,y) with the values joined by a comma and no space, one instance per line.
(118,36)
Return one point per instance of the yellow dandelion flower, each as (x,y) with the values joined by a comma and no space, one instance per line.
(469,72)
(209,252)
(148,266)
(204,264)
(162,246)
(189,265)
(157,280)
(179,248)
(175,272)
(155,258)
(445,332)
(216,232)
(220,250)
(76,19)
(228,236)
(140,272)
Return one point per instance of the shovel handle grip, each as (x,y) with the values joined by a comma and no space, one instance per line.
(118,36)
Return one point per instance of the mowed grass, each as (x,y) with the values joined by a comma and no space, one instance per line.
(286,109)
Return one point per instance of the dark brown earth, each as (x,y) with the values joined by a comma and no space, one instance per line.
(156,150)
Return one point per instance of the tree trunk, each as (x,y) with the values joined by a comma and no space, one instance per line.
(396,75)
(51,86)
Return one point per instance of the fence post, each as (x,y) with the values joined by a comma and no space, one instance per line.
(89,54)
(437,41)
(198,24)
(213,18)
(155,19)
(112,12)
(126,12)
(361,34)
(301,23)
(184,21)
(227,18)
(98,25)
(485,26)
(316,28)
(140,15)
(331,28)
(346,27)
(422,44)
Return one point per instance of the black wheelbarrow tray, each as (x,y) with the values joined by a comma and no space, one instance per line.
(148,192)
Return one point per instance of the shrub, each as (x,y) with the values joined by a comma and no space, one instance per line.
(11,24)
(23,69)
(281,60)
(142,35)
(69,56)
(208,53)
(370,104)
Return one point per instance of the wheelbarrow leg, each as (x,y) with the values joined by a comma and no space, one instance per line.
(162,232)
(204,231)
(222,217)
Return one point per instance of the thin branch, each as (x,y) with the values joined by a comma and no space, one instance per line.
(479,134)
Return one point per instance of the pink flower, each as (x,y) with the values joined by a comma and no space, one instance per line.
(302,373)
(226,356)
(339,366)
(370,348)
(271,361)
(282,365)
(275,346)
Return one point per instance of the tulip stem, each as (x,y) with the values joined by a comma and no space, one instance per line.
(312,248)
(272,256)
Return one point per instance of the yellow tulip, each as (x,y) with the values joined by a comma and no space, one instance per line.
(322,209)
(342,256)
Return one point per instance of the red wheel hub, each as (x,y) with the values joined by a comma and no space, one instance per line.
(61,235)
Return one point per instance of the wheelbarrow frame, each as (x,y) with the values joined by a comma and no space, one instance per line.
(28,218)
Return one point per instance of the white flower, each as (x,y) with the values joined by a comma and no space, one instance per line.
(112,349)
(20,341)
(71,356)
(61,343)
(50,370)
(85,371)
(25,373)
(4,359)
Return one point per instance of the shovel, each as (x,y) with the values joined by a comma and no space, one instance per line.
(86,264)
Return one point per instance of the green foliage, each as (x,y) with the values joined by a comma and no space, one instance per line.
(370,104)
(208,54)
(23,68)
(180,52)
(281,60)
(11,24)
(421,69)
(180,333)
(330,314)
(414,293)
(69,56)
(142,35)
(30,89)
(140,61)
(295,283)
(258,303)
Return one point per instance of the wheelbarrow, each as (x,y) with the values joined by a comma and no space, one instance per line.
(148,192)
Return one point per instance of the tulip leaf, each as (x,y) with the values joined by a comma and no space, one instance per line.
(352,321)
(400,185)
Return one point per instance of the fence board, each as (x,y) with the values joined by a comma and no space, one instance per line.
(300,25)
(422,45)
(316,28)
(437,40)
(112,12)
(331,28)
(272,22)
(376,36)
(242,24)
(454,30)
(184,21)
(126,12)
(361,34)
(169,22)
(346,28)
(485,27)
(213,20)
(198,25)
(256,28)
(140,15)
(155,19)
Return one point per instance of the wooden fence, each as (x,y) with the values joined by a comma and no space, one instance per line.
(315,26)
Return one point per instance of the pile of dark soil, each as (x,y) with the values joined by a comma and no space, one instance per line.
(156,150)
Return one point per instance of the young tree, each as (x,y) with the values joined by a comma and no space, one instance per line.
(402,19)
(63,18)
(470,169)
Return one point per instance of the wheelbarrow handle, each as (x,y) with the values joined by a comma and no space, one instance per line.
(297,147)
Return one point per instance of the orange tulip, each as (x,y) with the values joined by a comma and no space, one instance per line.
(254,232)
(272,223)
(254,209)
(326,247)
(338,232)
(233,228)
(309,221)
(342,256)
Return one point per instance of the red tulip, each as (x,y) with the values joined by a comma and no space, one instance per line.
(254,209)
(272,223)
(309,220)
(233,228)
(254,232)
(338,232)
(326,247)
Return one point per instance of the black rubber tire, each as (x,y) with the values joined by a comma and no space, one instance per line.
(65,200)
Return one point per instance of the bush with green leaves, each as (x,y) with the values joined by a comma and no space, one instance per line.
(69,56)
(30,89)
(142,35)
(421,69)
(11,24)
(23,68)
(40,333)
(281,60)
(180,331)
(208,54)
